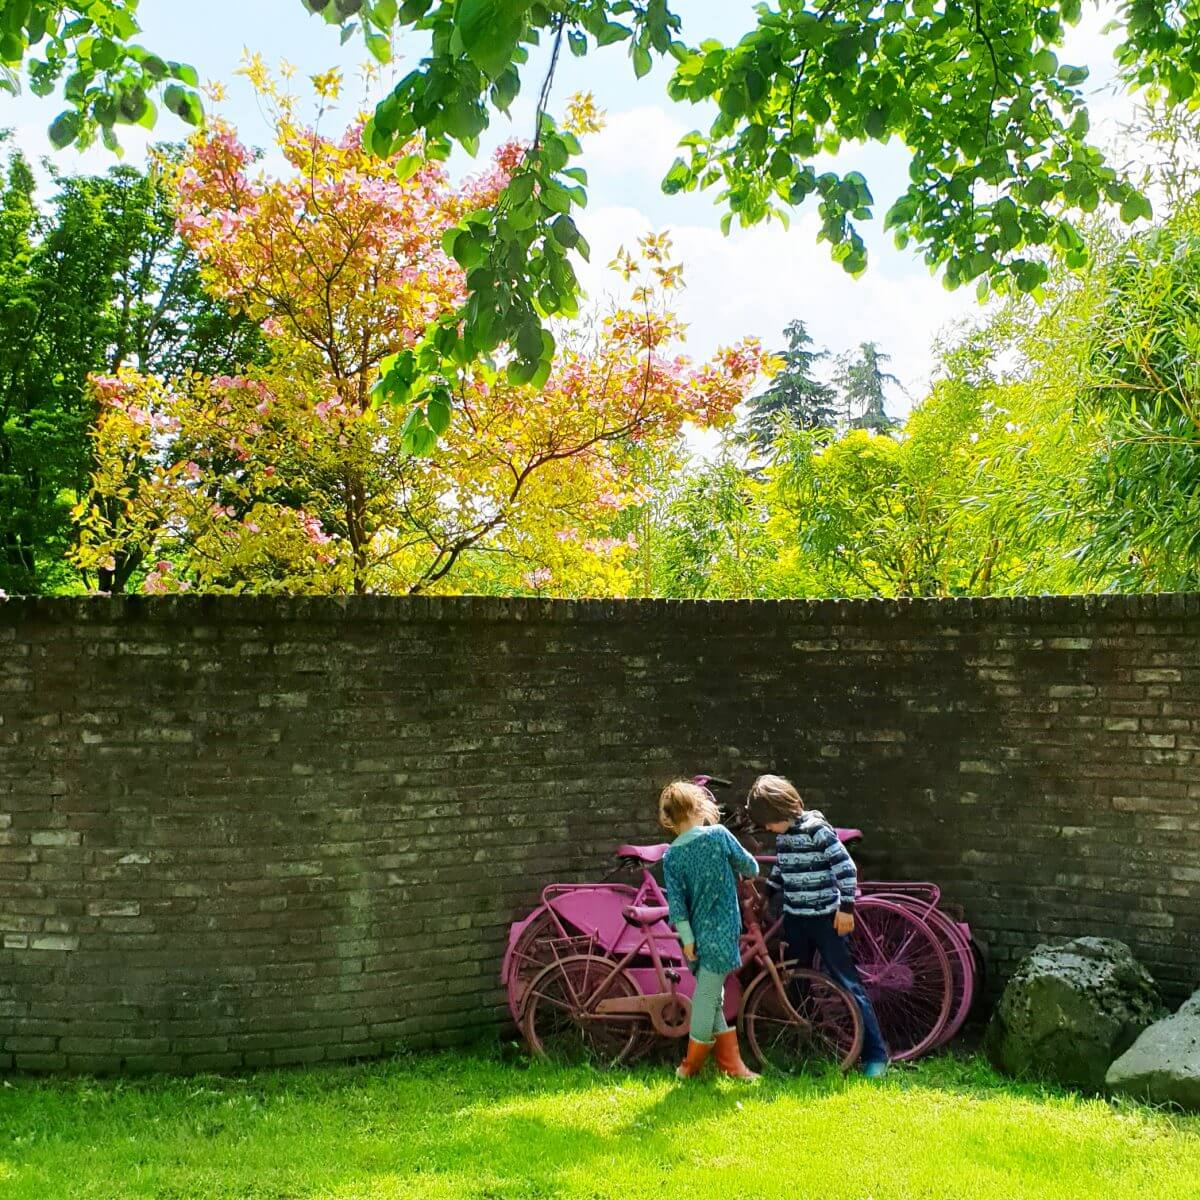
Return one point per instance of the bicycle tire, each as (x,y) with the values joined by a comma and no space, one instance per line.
(528,956)
(830,1032)
(963,974)
(906,974)
(556,1027)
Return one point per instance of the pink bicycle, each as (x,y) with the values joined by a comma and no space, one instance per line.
(587,1005)
(919,965)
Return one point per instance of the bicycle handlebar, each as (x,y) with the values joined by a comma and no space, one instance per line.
(711,781)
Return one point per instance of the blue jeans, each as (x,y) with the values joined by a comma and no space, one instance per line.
(806,936)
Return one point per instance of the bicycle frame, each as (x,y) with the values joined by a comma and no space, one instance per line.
(668,1009)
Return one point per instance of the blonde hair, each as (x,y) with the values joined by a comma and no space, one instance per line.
(682,802)
(772,798)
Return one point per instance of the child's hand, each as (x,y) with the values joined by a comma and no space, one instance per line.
(843,923)
(689,952)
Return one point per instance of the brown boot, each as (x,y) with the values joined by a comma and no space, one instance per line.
(729,1058)
(697,1056)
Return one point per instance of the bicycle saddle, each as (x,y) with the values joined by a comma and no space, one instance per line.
(646,854)
(637,914)
(848,835)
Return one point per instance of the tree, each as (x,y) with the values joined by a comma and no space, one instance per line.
(298,475)
(101,280)
(948,508)
(86,48)
(861,381)
(792,393)
(994,124)
(1139,494)
(711,539)
(164,320)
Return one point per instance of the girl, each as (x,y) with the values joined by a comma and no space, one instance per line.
(699,872)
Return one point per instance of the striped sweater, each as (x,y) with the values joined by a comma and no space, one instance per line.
(814,873)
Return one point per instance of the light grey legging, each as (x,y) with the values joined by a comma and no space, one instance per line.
(708,1001)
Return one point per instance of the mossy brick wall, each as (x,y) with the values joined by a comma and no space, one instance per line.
(237,832)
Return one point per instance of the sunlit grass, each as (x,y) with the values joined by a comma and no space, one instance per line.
(475,1128)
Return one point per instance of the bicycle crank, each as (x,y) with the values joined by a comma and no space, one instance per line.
(670,1014)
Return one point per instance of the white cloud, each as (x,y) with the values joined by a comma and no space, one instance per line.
(755,281)
(639,142)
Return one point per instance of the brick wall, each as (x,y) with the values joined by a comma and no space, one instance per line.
(247,831)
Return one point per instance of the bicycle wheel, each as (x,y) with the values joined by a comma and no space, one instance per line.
(558,1026)
(906,975)
(959,955)
(812,1025)
(529,956)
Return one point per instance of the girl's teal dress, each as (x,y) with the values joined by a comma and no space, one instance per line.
(700,871)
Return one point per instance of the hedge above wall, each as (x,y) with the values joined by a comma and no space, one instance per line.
(247,831)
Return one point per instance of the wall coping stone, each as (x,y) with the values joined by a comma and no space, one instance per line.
(1172,606)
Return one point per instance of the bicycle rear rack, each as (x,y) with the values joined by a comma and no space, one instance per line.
(572,947)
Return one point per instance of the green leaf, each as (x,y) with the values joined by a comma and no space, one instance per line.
(505,89)
(520,188)
(900,213)
(520,371)
(421,441)
(1030,275)
(609,32)
(780,166)
(490,31)
(379,46)
(529,341)
(377,140)
(641,61)
(876,122)
(578,43)
(1136,206)
(465,119)
(383,13)
(104,54)
(1046,62)
(677,177)
(184,104)
(131,105)
(565,231)
(64,130)
(437,411)
(468,249)
(407,165)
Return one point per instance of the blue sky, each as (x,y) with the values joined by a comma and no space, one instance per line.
(751,283)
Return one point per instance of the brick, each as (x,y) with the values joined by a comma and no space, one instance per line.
(113,908)
(55,837)
(53,942)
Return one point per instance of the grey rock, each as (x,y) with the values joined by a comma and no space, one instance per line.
(1070,1009)
(1163,1065)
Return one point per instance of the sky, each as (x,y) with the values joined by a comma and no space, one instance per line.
(751,283)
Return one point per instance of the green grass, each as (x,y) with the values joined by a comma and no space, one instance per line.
(476,1128)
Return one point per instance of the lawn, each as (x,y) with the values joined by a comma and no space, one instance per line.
(453,1128)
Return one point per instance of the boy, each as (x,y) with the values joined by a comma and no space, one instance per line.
(816,878)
